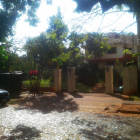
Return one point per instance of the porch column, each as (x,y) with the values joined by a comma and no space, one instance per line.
(71,79)
(109,79)
(57,80)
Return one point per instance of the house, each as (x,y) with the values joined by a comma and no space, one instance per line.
(115,55)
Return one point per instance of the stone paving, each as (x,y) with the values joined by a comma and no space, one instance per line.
(20,123)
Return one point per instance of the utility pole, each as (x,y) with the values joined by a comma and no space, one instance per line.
(138,40)
(132,49)
(125,48)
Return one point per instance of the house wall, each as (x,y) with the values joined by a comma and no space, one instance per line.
(118,54)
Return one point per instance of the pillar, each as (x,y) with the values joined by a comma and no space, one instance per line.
(109,79)
(71,79)
(57,80)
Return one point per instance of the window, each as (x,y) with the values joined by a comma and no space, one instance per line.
(112,50)
(129,49)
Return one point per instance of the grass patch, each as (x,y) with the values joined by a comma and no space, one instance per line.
(136,98)
(14,101)
(44,83)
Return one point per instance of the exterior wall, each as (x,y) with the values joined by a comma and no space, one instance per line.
(135,49)
(118,54)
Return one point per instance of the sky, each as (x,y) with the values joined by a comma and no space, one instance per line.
(83,22)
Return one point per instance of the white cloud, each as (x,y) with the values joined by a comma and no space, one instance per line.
(67,8)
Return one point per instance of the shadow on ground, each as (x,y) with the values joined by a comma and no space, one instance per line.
(98,132)
(76,95)
(3,106)
(22,132)
(47,103)
(128,112)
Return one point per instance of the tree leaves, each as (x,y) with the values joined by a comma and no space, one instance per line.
(3,58)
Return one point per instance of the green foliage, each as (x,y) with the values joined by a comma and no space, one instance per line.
(47,50)
(11,10)
(117,60)
(96,45)
(43,83)
(136,98)
(3,58)
(127,51)
(83,5)
(57,28)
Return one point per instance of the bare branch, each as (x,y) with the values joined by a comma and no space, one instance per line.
(101,23)
(128,26)
(117,11)
(114,22)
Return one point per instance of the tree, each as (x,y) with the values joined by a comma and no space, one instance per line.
(86,5)
(74,50)
(134,6)
(96,45)
(46,49)
(3,58)
(57,27)
(11,10)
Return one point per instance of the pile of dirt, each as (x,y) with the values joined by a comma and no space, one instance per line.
(99,87)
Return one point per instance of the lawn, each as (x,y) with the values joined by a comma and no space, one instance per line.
(136,98)
(46,83)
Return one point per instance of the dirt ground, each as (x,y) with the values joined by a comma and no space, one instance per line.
(88,102)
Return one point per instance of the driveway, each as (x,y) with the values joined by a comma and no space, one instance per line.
(18,122)
(65,116)
(93,102)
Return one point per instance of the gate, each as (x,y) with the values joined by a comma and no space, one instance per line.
(47,81)
(64,84)
(85,81)
(129,80)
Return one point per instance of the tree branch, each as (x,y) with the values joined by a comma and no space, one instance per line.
(128,26)
(114,22)
(101,23)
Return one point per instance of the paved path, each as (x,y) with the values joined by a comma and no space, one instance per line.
(95,102)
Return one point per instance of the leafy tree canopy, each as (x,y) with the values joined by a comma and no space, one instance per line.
(3,58)
(57,27)
(47,48)
(11,10)
(86,5)
(96,45)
